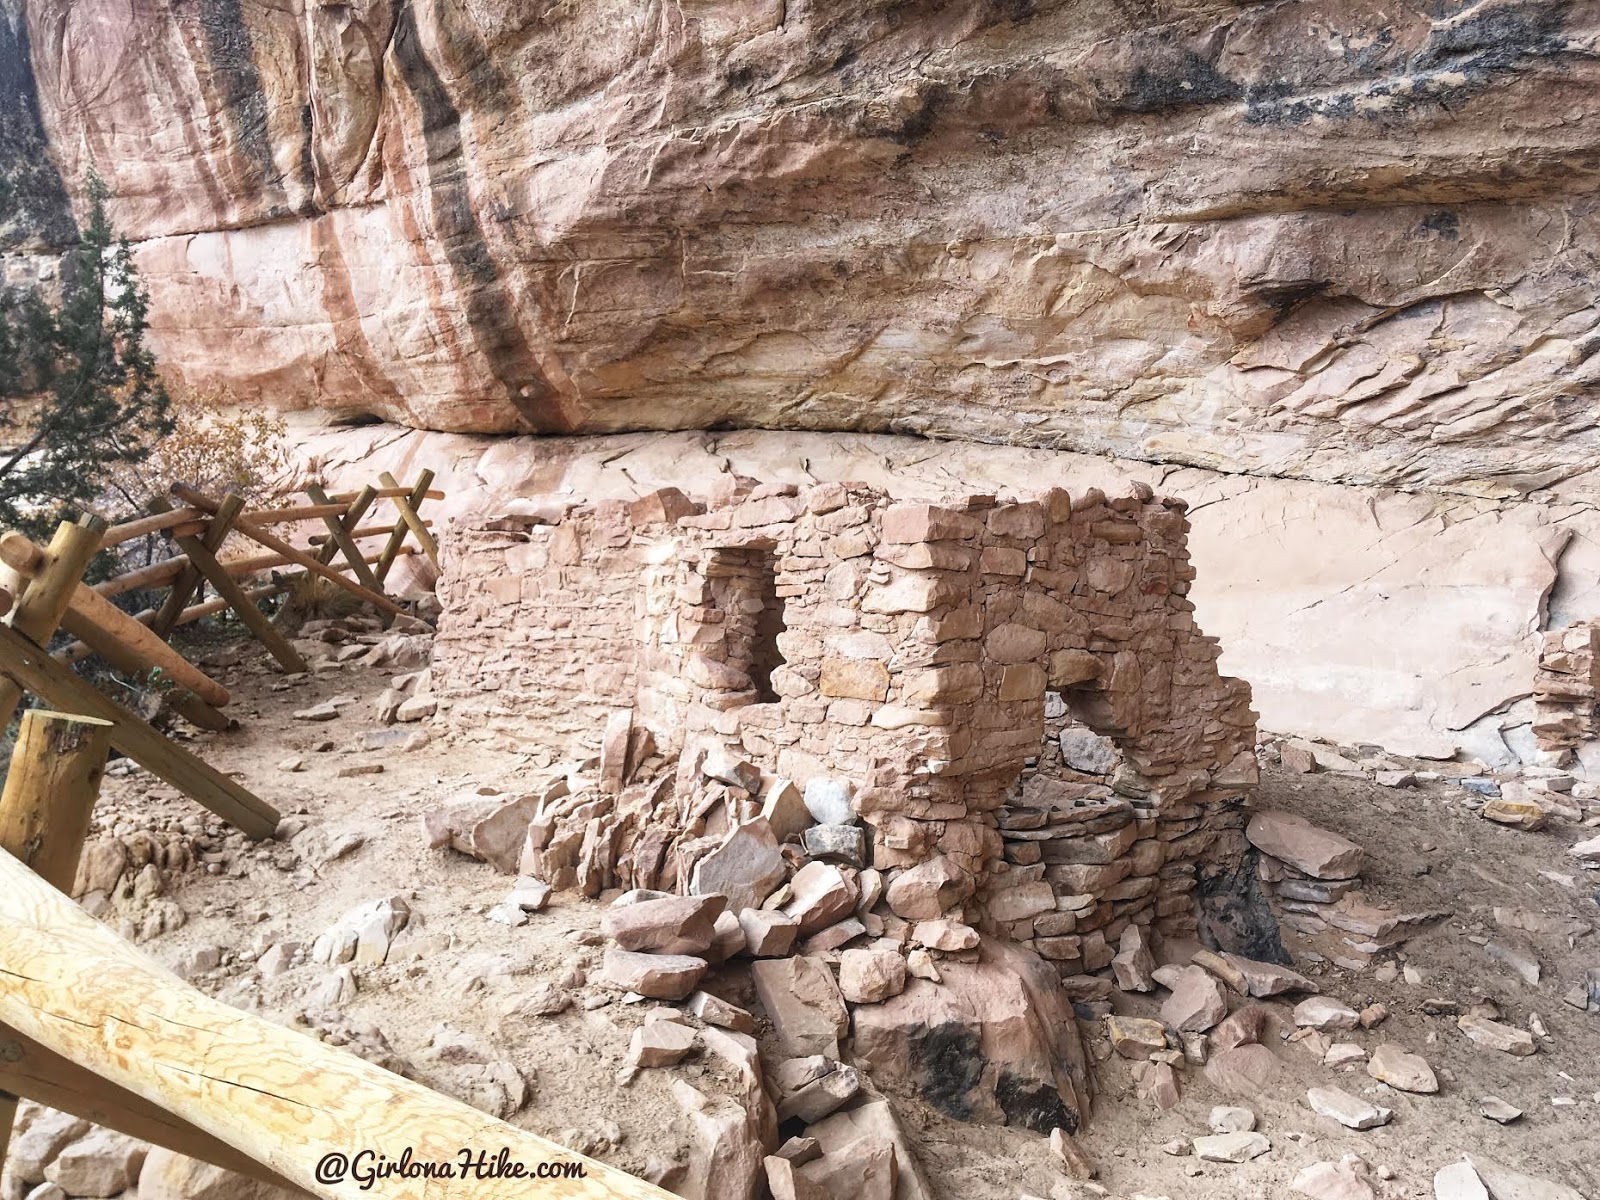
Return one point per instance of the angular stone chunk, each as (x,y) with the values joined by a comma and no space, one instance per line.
(1231,1147)
(660,1044)
(822,895)
(1317,852)
(714,1010)
(746,868)
(674,925)
(925,891)
(812,1087)
(869,976)
(1350,1111)
(1133,965)
(1197,1002)
(784,809)
(1268,979)
(100,1164)
(1496,1036)
(1136,1037)
(803,1002)
(1244,1070)
(1402,1070)
(768,933)
(1325,1014)
(659,976)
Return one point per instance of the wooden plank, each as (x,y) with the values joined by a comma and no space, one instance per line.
(341,538)
(294,555)
(29,1069)
(154,523)
(254,619)
(397,536)
(183,587)
(285,1099)
(116,636)
(408,514)
(46,596)
(55,683)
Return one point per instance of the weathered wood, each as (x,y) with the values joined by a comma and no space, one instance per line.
(363,501)
(29,1069)
(8,1110)
(346,544)
(117,637)
(154,523)
(397,535)
(255,620)
(277,1095)
(389,493)
(45,597)
(366,531)
(55,683)
(156,574)
(293,554)
(183,587)
(287,516)
(51,786)
(408,514)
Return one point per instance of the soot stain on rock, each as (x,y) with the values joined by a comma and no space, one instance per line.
(1444,224)
(488,308)
(1033,1105)
(1189,80)
(39,208)
(949,1061)
(233,65)
(1235,914)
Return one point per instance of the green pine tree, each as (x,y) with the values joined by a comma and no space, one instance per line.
(95,398)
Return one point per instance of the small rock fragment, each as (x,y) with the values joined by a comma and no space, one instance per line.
(1231,1147)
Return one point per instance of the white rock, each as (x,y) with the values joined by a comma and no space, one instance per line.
(1350,1111)
(1227,1119)
(1231,1147)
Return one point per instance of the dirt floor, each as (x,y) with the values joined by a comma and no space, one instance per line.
(457,968)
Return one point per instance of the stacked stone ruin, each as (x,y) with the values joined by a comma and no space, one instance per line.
(1013,691)
(1566,687)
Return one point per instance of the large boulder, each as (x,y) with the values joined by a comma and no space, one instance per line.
(996,1041)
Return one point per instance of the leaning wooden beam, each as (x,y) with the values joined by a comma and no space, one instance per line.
(389,493)
(397,537)
(364,500)
(154,523)
(29,1069)
(296,556)
(157,574)
(54,682)
(286,516)
(116,636)
(408,514)
(366,531)
(346,544)
(255,620)
(183,587)
(288,1101)
(46,596)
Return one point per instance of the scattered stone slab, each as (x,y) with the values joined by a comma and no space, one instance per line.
(1459,1181)
(874,1119)
(1221,968)
(768,933)
(1496,1036)
(1226,1118)
(1243,1071)
(671,925)
(1325,1014)
(1402,1070)
(714,1010)
(1243,1027)
(1587,852)
(1268,979)
(722,765)
(1136,1037)
(660,1044)
(658,976)
(948,936)
(1347,1179)
(871,976)
(317,712)
(1344,1054)
(1505,1184)
(803,1002)
(1134,964)
(1350,1111)
(1519,813)
(1316,852)
(1197,1002)
(784,809)
(1526,967)
(1498,1110)
(746,868)
(1231,1147)
(1158,1083)
(811,1088)
(821,896)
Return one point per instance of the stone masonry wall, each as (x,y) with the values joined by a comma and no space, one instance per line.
(906,653)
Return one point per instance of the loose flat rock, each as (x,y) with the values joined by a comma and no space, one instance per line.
(1133,967)
(1242,1028)
(1317,852)
(1496,1036)
(660,1044)
(1505,1184)
(803,1002)
(1498,1110)
(1325,1014)
(1347,1179)
(671,925)
(1401,1069)
(746,868)
(1244,1070)
(1459,1181)
(1197,1002)
(1136,1037)
(659,976)
(1229,1119)
(1350,1111)
(1231,1147)
(714,1010)
(1268,979)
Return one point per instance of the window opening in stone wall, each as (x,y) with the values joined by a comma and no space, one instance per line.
(765,657)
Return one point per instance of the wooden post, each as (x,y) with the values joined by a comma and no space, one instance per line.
(51,787)
(391,549)
(42,603)
(183,588)
(364,500)
(285,1099)
(340,534)
(408,514)
(233,592)
(55,682)
(293,554)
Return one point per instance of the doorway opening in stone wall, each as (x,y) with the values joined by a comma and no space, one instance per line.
(754,613)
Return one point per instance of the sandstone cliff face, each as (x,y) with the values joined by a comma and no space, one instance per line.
(1334,240)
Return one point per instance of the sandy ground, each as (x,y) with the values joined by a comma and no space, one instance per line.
(457,968)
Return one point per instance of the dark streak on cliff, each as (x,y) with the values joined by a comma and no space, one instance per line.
(39,213)
(233,67)
(488,305)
